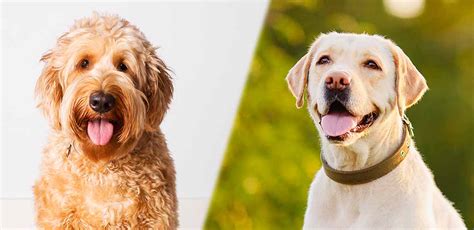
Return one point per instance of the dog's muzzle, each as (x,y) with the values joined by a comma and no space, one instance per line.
(338,123)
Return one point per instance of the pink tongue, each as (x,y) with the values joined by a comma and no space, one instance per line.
(100,131)
(336,124)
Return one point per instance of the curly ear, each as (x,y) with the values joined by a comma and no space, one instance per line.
(48,91)
(158,89)
(410,83)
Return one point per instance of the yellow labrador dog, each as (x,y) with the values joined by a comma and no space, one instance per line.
(358,88)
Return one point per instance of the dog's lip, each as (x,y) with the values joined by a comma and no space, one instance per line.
(113,122)
(111,119)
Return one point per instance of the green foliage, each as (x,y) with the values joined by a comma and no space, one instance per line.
(273,152)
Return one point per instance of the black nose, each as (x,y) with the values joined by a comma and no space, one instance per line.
(101,102)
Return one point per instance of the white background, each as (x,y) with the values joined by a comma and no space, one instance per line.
(209,46)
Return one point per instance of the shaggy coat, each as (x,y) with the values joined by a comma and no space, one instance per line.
(127,181)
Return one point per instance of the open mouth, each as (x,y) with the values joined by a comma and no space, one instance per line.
(101,130)
(338,124)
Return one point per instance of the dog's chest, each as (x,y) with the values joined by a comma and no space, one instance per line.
(107,196)
(333,205)
(332,209)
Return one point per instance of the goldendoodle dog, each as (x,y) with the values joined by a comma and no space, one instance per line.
(106,165)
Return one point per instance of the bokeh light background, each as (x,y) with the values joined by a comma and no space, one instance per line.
(273,152)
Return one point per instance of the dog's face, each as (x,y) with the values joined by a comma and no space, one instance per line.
(103,85)
(353,83)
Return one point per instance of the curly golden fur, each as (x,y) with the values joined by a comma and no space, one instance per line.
(129,182)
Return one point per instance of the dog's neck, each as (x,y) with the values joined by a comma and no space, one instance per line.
(369,150)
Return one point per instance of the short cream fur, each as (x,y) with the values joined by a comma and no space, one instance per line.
(407,197)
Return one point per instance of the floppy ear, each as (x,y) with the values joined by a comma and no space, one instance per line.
(297,78)
(410,83)
(158,90)
(48,91)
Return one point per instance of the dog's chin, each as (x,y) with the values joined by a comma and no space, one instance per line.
(342,127)
(345,139)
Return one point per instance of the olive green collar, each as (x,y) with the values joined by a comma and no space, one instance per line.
(374,172)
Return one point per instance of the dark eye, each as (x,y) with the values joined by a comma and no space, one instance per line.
(324,60)
(122,67)
(372,65)
(84,63)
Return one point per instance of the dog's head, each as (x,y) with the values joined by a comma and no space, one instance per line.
(353,83)
(103,85)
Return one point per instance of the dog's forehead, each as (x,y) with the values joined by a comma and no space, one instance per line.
(356,44)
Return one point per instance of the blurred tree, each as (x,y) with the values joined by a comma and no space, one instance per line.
(273,152)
